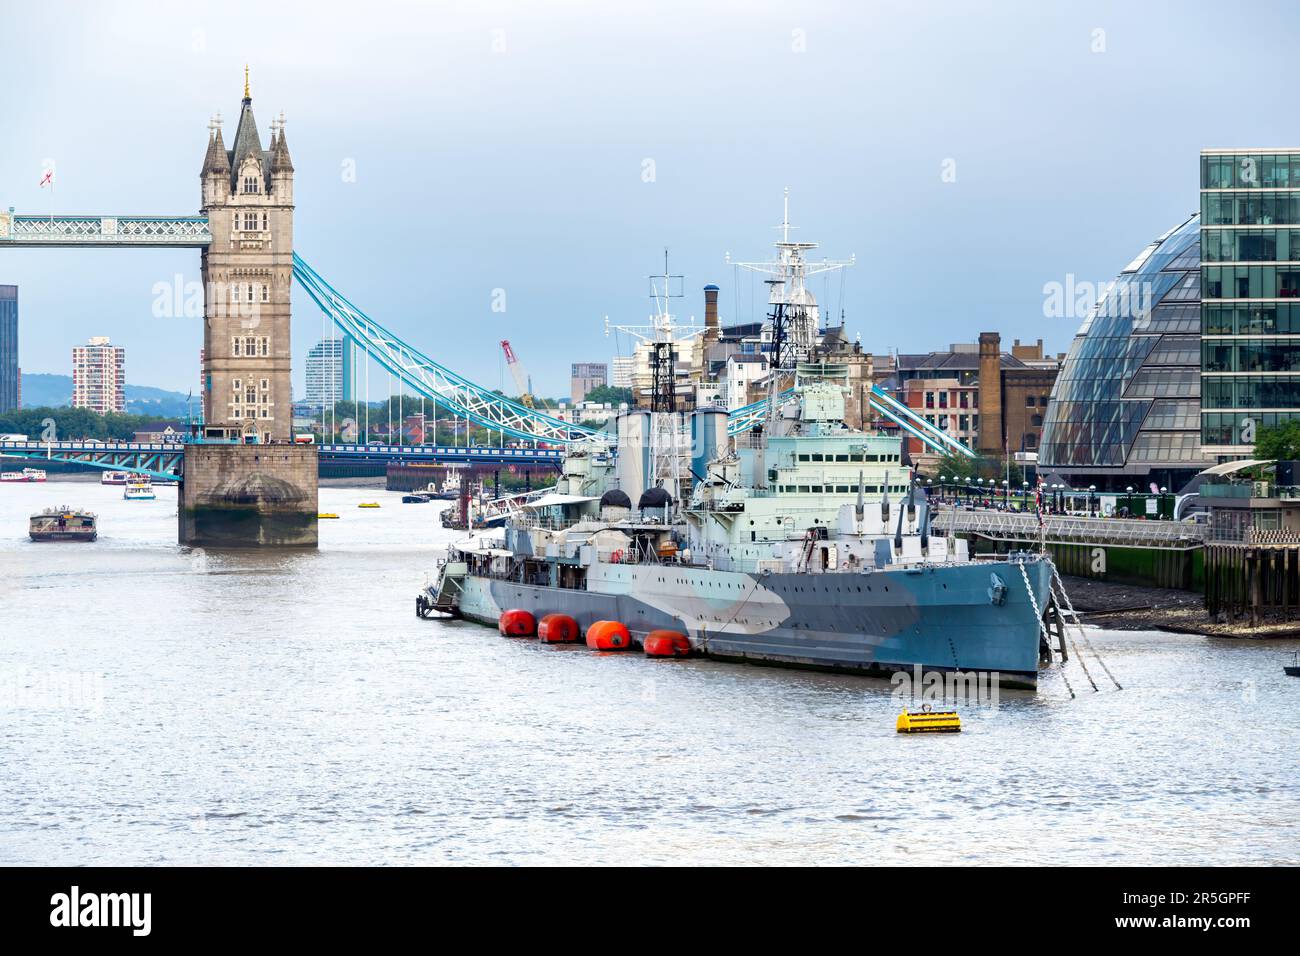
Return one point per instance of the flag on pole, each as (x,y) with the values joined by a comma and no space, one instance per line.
(47,178)
(1038,502)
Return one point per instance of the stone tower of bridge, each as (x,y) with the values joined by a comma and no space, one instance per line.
(247,272)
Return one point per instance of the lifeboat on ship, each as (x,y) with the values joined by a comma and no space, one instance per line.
(609,636)
(558,629)
(517,623)
(667,644)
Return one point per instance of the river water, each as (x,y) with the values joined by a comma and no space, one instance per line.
(159,705)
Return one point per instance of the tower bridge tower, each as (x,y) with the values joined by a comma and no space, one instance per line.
(247,272)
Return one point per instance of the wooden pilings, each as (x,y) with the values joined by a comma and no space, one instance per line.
(1243,580)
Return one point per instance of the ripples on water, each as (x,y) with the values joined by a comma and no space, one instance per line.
(159,706)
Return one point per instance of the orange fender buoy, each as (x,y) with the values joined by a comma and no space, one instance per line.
(608,636)
(667,644)
(517,623)
(558,629)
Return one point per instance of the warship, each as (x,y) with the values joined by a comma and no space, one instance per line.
(800,541)
(829,564)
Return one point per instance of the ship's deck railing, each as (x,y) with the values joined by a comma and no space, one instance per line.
(526,519)
(1013,526)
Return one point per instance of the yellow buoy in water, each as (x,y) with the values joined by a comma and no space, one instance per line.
(368,504)
(325,514)
(927,721)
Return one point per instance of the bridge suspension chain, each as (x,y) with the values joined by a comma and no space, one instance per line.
(464,398)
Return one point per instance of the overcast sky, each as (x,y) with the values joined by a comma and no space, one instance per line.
(508,146)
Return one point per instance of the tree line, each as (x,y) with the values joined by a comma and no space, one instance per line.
(73,424)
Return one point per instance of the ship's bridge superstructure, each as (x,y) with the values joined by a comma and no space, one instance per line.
(809,467)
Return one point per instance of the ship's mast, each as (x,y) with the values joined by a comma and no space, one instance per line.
(663,339)
(794,312)
(665,424)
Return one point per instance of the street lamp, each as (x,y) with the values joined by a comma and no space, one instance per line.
(1092,491)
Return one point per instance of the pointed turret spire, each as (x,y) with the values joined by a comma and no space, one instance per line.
(215,159)
(247,95)
(280,160)
(222,158)
(247,142)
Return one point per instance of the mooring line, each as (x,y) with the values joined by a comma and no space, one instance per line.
(1083,634)
(1042,628)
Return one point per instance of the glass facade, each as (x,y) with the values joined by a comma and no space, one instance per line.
(1126,404)
(1250,311)
(8,348)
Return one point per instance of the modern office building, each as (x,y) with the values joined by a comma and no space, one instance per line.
(1125,410)
(584,376)
(622,367)
(99,376)
(10,376)
(325,373)
(1250,308)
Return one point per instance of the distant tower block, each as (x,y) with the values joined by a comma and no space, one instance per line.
(247,272)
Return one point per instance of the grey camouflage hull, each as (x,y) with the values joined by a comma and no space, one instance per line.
(975,617)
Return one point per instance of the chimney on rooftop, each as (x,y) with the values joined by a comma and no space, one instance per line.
(711,331)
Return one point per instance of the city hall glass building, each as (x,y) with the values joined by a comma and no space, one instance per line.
(1250,308)
(1125,409)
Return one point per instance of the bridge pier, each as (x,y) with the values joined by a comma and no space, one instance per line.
(236,496)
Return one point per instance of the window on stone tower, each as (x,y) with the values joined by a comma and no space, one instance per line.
(250,184)
(250,396)
(266,293)
(264,222)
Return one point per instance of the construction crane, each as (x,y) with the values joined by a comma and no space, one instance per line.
(520,376)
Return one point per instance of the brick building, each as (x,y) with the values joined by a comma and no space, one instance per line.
(991,400)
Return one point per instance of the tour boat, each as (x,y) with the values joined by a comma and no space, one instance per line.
(26,475)
(62,524)
(114,477)
(139,488)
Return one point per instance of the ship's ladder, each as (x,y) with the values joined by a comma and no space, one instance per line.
(1038,615)
(445,594)
(1071,616)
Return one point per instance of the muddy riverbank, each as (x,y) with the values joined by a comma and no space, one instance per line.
(1126,607)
